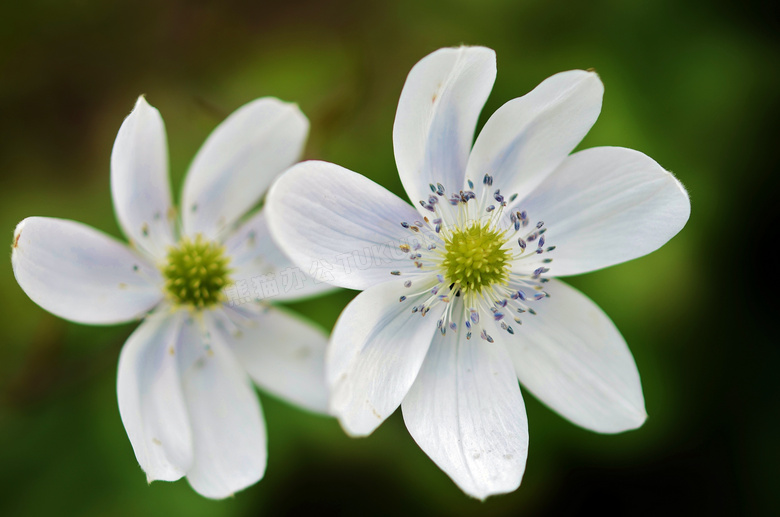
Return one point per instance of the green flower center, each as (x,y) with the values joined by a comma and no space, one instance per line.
(474,258)
(196,272)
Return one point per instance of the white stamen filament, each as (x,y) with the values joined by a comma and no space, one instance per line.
(512,290)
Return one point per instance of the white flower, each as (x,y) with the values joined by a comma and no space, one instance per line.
(184,394)
(459,300)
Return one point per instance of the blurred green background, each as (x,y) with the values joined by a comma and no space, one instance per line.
(692,84)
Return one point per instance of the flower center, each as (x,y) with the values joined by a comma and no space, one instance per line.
(196,272)
(488,269)
(475,259)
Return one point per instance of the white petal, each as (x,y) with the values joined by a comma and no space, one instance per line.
(150,398)
(257,261)
(571,356)
(374,355)
(285,355)
(227,425)
(238,161)
(139,180)
(526,138)
(466,412)
(437,114)
(81,274)
(339,226)
(607,205)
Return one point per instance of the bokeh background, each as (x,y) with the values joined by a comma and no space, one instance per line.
(691,83)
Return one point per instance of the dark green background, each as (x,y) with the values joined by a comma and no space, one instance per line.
(692,84)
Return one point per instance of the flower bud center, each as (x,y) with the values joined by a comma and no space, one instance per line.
(474,258)
(196,272)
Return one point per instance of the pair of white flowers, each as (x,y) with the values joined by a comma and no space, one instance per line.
(458,300)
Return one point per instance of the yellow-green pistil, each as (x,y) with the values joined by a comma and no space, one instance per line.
(474,258)
(196,271)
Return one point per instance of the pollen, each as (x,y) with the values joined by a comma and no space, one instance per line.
(195,272)
(475,259)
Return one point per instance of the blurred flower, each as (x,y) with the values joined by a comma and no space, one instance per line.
(459,298)
(184,395)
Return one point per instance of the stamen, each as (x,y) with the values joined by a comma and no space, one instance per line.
(471,252)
